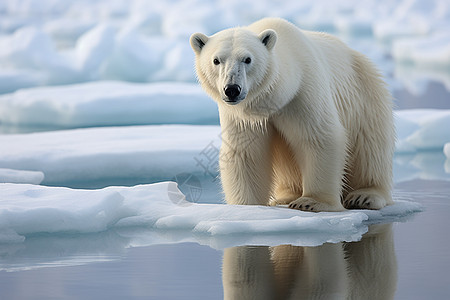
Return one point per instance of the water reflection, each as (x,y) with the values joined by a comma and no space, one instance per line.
(428,165)
(358,270)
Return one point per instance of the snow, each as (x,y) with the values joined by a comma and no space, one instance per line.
(105,103)
(109,152)
(20,176)
(430,51)
(14,79)
(65,42)
(412,17)
(76,64)
(27,210)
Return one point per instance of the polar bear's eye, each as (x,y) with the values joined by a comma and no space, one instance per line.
(248,60)
(216,61)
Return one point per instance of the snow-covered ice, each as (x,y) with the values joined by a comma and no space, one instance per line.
(108,152)
(432,51)
(106,103)
(20,176)
(64,42)
(31,209)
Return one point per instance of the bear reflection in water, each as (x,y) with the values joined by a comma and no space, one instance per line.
(358,270)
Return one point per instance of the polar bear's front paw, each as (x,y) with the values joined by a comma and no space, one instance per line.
(310,204)
(364,199)
(305,204)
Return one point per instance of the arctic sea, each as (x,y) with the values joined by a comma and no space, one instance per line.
(108,159)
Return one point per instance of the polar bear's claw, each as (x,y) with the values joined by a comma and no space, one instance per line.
(364,199)
(310,204)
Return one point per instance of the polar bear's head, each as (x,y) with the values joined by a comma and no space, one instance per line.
(233,64)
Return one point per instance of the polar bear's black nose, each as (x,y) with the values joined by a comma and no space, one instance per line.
(232,91)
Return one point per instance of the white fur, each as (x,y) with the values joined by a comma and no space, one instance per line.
(313,122)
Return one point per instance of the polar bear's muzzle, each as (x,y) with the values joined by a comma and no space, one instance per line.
(232,92)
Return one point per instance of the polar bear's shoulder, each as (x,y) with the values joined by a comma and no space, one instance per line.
(277,24)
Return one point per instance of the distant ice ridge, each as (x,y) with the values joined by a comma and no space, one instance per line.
(30,209)
(106,103)
(104,52)
(49,43)
(20,176)
(433,51)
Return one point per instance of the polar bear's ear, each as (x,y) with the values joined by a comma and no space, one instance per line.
(268,37)
(198,40)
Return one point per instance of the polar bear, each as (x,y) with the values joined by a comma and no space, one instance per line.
(306,121)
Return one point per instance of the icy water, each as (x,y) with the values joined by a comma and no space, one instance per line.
(48,42)
(406,259)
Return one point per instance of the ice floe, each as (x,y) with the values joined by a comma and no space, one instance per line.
(107,103)
(109,152)
(27,210)
(20,176)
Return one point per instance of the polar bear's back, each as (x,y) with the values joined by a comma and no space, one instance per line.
(281,26)
(312,57)
(307,49)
